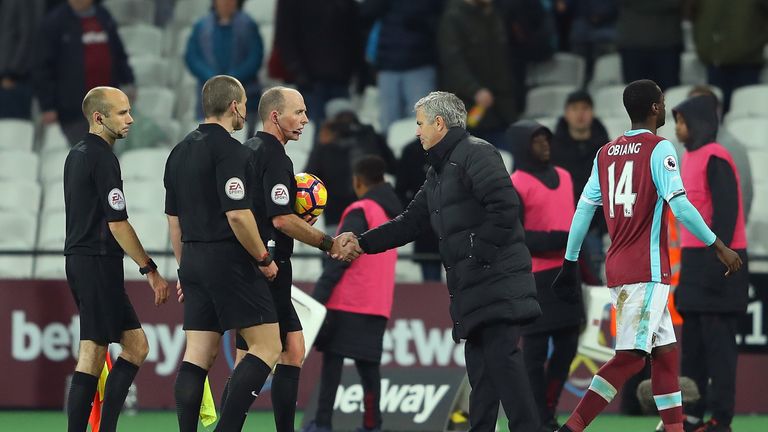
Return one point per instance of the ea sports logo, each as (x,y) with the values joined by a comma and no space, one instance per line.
(116,199)
(280,194)
(235,189)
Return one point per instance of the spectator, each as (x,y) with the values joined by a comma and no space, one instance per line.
(320,44)
(730,42)
(341,141)
(405,53)
(650,40)
(19,20)
(79,50)
(411,173)
(736,149)
(578,137)
(593,30)
(474,64)
(227,41)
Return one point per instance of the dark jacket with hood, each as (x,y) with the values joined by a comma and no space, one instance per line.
(469,201)
(355,222)
(703,286)
(556,313)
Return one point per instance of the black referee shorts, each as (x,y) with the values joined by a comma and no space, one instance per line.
(98,288)
(281,295)
(223,289)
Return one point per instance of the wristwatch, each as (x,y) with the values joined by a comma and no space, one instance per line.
(149,268)
(265,260)
(326,244)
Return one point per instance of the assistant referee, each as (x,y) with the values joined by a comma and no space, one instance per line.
(98,234)
(217,244)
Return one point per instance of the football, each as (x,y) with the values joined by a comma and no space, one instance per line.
(311,195)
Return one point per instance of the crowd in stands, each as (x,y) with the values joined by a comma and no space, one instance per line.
(361,65)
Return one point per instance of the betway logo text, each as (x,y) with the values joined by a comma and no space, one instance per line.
(58,342)
(417,399)
(409,343)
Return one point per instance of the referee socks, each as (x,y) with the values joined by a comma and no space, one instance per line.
(246,383)
(119,381)
(188,391)
(82,388)
(285,390)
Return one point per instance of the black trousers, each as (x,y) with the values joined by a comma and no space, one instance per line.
(547,382)
(497,373)
(330,378)
(709,353)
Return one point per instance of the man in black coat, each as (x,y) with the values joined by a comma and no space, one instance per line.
(469,201)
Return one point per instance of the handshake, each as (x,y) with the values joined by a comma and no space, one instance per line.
(345,247)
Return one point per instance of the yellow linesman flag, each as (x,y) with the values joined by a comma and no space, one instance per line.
(207,406)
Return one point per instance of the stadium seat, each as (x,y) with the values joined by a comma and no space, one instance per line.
(749,101)
(562,69)
(688,42)
(616,126)
(129,12)
(764,75)
(547,101)
(53,197)
(151,227)
(16,134)
(509,161)
(144,164)
(609,101)
(50,267)
(400,134)
(182,39)
(19,230)
(692,70)
(307,269)
(155,102)
(144,196)
(52,166)
(52,232)
(752,132)
(673,96)
(369,112)
(267,32)
(186,101)
(758,161)
(149,70)
(262,11)
(18,196)
(757,228)
(307,139)
(18,165)
(550,122)
(142,40)
(16,267)
(191,12)
(607,72)
(299,156)
(54,139)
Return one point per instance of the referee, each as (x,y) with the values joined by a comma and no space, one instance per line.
(217,244)
(98,233)
(283,115)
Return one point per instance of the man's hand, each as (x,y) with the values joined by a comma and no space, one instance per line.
(566,285)
(728,257)
(345,247)
(310,219)
(49,117)
(159,286)
(179,292)
(270,271)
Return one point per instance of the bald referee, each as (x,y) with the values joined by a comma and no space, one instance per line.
(98,234)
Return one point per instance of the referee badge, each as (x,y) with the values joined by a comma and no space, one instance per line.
(234,189)
(116,199)
(280,194)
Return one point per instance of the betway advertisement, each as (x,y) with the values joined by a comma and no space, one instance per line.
(39,336)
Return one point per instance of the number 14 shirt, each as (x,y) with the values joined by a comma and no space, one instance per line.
(633,178)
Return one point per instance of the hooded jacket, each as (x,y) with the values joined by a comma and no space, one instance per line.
(555,312)
(703,286)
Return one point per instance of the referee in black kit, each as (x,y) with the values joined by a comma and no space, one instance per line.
(283,115)
(98,232)
(217,244)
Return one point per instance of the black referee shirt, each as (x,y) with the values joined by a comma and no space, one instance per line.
(93,196)
(275,189)
(206,175)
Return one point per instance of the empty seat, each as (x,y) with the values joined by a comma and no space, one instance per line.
(401,133)
(52,232)
(547,101)
(18,165)
(673,96)
(607,72)
(307,269)
(562,69)
(52,166)
(191,12)
(757,227)
(758,161)
(16,134)
(19,230)
(609,101)
(152,228)
(16,267)
(187,98)
(155,102)
(692,70)
(616,125)
(21,197)
(128,12)
(50,267)
(307,139)
(54,139)
(750,101)
(369,112)
(407,271)
(149,70)
(53,197)
(262,11)
(144,164)
(142,40)
(298,155)
(509,161)
(144,196)
(550,122)
(752,132)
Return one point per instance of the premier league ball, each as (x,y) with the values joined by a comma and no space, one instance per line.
(311,195)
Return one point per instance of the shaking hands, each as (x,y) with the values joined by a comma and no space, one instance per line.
(345,247)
